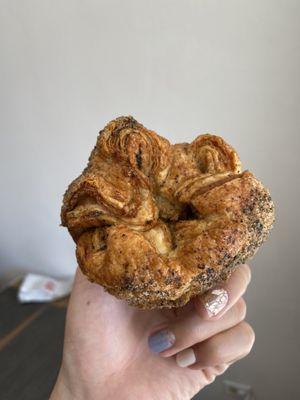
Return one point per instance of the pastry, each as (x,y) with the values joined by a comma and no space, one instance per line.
(157,224)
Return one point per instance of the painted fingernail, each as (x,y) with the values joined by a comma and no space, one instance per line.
(215,301)
(185,358)
(161,340)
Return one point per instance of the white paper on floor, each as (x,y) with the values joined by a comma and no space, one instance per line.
(39,288)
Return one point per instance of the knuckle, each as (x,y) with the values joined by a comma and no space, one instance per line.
(220,369)
(249,336)
(246,274)
(209,376)
(240,310)
(214,352)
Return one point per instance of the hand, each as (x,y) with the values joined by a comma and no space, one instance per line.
(114,351)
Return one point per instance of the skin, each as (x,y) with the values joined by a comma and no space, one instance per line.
(106,354)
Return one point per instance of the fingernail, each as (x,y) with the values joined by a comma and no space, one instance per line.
(215,301)
(161,340)
(185,358)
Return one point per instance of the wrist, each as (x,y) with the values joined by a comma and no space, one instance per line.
(61,389)
(68,388)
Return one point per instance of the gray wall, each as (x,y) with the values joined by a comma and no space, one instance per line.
(181,68)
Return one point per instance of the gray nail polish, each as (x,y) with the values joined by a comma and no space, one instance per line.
(161,341)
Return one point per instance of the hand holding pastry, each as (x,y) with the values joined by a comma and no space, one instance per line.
(115,351)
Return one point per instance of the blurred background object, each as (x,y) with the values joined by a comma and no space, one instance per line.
(181,68)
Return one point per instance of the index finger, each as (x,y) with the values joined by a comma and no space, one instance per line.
(214,303)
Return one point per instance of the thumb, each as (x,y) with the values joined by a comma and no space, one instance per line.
(85,292)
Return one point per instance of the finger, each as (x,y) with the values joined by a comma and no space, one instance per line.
(217,301)
(223,348)
(80,279)
(82,287)
(220,369)
(86,294)
(179,312)
(192,329)
(210,373)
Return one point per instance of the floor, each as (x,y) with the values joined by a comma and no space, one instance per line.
(31,340)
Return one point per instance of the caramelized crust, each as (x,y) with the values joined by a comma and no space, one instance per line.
(157,224)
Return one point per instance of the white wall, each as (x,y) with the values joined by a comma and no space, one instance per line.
(181,68)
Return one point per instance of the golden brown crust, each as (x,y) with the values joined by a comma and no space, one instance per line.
(157,224)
